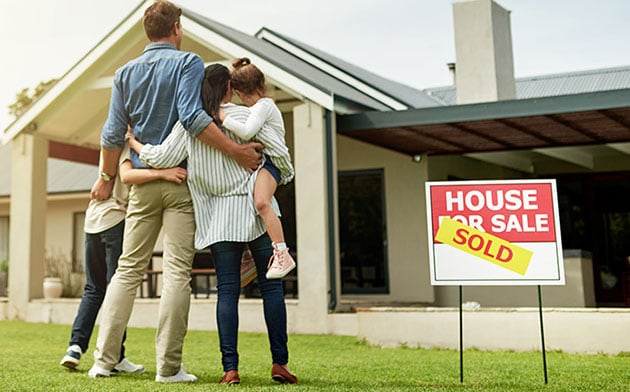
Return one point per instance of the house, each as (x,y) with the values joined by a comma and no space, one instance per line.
(68,186)
(363,147)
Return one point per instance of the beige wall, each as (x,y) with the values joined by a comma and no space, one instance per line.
(461,167)
(59,226)
(406,216)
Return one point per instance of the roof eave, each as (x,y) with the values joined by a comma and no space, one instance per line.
(486,111)
(27,120)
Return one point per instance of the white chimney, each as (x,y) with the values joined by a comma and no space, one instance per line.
(483,52)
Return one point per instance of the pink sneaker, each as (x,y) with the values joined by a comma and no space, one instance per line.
(248,267)
(280,264)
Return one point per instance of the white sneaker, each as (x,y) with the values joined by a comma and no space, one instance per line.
(181,376)
(280,264)
(126,366)
(97,371)
(72,357)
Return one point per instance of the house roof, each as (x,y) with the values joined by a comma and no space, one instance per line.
(284,59)
(74,109)
(550,85)
(423,122)
(406,95)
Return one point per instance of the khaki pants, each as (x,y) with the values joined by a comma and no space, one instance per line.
(154,205)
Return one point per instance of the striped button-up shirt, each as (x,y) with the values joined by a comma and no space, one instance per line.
(221,189)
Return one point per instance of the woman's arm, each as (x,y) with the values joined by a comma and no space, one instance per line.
(170,153)
(260,112)
(129,175)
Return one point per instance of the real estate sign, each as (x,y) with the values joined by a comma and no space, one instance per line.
(494,233)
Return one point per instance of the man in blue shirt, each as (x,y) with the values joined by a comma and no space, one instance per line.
(150,93)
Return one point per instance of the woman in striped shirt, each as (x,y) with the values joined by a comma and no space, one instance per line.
(226,220)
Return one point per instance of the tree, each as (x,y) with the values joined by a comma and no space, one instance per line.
(24,98)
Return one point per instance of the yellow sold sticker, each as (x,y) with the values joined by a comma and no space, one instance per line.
(484,245)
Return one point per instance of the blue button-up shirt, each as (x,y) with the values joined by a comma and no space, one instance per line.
(151,93)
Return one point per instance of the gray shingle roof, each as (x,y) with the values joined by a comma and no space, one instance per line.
(568,83)
(410,96)
(292,64)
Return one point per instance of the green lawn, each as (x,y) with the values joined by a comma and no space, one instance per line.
(31,354)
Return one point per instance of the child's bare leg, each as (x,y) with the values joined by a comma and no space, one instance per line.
(281,262)
(264,188)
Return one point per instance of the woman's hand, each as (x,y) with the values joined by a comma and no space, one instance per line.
(174,174)
(134,143)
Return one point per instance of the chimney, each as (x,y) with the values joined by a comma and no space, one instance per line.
(483,52)
(451,71)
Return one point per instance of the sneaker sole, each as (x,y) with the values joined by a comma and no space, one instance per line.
(268,276)
(99,375)
(174,381)
(137,371)
(70,363)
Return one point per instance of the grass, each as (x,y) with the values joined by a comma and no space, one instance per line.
(31,354)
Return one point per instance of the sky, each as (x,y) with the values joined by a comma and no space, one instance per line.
(409,41)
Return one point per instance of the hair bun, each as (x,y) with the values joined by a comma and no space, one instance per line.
(241,62)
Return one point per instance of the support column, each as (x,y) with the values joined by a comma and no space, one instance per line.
(28,222)
(312,205)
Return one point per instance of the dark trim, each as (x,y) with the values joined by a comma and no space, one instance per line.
(600,100)
(78,248)
(332,239)
(73,153)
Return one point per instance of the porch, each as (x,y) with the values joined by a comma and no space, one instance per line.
(574,330)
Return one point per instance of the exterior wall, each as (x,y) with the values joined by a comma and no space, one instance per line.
(443,168)
(406,216)
(312,227)
(592,331)
(59,226)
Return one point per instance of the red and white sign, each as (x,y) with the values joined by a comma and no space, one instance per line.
(494,233)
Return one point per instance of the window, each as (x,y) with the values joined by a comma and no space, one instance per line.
(4,238)
(362,233)
(78,242)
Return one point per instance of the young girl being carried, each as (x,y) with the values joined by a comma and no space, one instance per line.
(248,83)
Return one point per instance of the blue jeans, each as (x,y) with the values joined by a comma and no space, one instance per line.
(227,262)
(102,251)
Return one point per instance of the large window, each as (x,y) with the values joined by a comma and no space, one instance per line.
(4,238)
(362,232)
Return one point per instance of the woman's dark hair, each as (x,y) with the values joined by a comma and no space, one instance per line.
(214,87)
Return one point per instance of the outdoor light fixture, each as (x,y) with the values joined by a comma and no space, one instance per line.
(417,158)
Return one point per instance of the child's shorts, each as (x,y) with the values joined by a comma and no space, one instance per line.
(272,169)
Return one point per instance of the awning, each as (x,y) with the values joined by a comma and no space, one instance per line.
(598,118)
